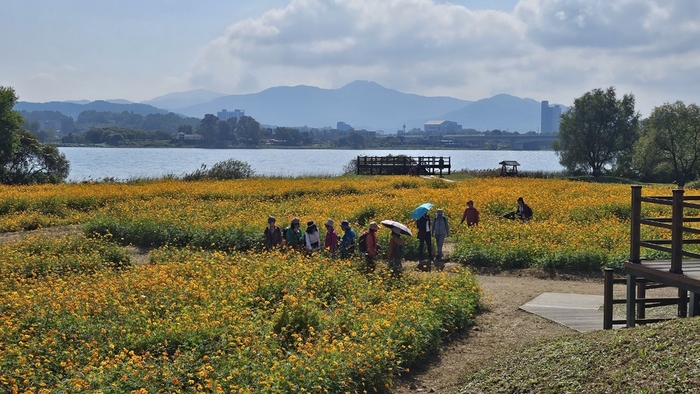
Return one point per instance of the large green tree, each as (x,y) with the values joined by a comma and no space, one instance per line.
(596,131)
(23,158)
(670,143)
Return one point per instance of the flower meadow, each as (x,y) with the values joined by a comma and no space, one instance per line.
(212,312)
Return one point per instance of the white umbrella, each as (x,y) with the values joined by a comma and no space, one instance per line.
(392,225)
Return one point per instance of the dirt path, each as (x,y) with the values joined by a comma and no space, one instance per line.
(500,331)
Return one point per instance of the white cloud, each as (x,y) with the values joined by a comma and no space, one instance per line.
(329,43)
(545,49)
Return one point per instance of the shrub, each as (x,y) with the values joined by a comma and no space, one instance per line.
(228,169)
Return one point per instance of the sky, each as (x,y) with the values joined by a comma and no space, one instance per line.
(553,50)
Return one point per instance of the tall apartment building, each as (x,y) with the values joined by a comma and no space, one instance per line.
(225,115)
(550,117)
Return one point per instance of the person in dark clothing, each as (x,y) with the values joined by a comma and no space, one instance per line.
(523,212)
(424,236)
(272,236)
(293,236)
(471,214)
(347,243)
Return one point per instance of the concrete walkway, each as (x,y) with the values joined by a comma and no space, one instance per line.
(580,312)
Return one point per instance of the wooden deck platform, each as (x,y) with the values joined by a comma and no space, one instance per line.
(580,312)
(660,271)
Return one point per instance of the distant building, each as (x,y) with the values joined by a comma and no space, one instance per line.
(550,118)
(342,126)
(225,115)
(441,126)
(189,137)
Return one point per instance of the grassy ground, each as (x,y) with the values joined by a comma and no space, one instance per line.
(659,358)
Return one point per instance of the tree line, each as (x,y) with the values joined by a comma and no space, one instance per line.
(601,134)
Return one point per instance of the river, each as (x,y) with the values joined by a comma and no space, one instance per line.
(132,163)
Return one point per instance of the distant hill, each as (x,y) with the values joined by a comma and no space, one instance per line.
(74,109)
(502,111)
(362,104)
(178,100)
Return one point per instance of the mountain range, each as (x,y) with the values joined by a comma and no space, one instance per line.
(362,104)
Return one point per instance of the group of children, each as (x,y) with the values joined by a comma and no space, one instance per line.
(310,239)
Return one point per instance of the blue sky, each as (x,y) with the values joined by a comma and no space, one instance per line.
(552,50)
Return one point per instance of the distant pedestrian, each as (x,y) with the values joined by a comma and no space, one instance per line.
(471,214)
(347,243)
(272,236)
(441,230)
(331,243)
(312,237)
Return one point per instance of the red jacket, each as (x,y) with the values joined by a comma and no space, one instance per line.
(471,215)
(372,244)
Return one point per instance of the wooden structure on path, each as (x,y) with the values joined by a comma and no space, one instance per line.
(403,165)
(647,274)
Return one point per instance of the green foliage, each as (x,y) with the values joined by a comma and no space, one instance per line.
(404,184)
(365,215)
(37,257)
(597,130)
(23,158)
(228,169)
(669,144)
(154,233)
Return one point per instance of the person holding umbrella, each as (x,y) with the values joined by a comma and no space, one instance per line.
(424,236)
(423,225)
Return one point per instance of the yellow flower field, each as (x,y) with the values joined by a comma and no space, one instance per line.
(213,313)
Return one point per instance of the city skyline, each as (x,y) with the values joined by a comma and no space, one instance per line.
(470,49)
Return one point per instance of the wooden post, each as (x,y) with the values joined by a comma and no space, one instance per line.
(631,300)
(682,303)
(641,294)
(677,233)
(694,305)
(635,219)
(357,163)
(608,299)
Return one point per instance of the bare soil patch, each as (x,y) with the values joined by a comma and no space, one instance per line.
(502,330)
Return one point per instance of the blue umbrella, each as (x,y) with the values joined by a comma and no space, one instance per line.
(421,210)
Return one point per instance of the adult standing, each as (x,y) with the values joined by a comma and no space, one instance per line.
(441,229)
(396,252)
(471,214)
(347,244)
(331,243)
(293,236)
(424,236)
(272,236)
(312,237)
(371,246)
